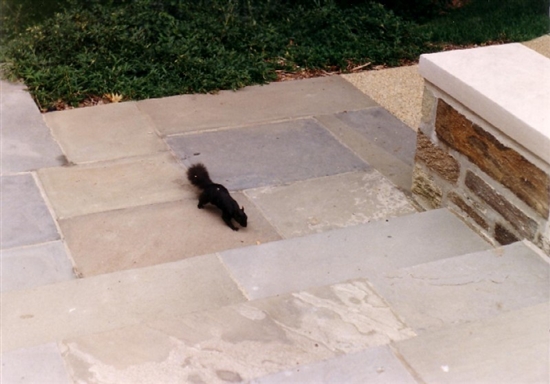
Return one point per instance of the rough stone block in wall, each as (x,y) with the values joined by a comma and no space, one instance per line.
(503,236)
(503,164)
(425,187)
(470,211)
(436,159)
(526,226)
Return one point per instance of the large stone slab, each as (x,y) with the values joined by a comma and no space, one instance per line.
(253,105)
(98,304)
(267,154)
(318,205)
(239,342)
(26,141)
(104,132)
(510,348)
(467,288)
(85,189)
(29,267)
(376,365)
(39,364)
(364,250)
(154,234)
(24,215)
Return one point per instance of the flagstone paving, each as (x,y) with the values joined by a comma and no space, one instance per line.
(147,235)
(80,190)
(482,285)
(26,142)
(510,348)
(230,343)
(25,217)
(375,365)
(39,364)
(35,265)
(112,301)
(254,105)
(269,154)
(338,201)
(348,253)
(105,132)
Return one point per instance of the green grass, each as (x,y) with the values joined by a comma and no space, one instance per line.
(153,48)
(485,21)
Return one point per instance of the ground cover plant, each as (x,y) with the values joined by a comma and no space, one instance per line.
(136,49)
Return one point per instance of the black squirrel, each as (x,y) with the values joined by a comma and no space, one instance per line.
(216,194)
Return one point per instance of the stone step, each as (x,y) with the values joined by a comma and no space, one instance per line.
(473,352)
(365,250)
(239,342)
(343,332)
(376,365)
(510,348)
(466,288)
(100,303)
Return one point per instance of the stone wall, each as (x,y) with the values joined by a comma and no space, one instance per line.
(494,183)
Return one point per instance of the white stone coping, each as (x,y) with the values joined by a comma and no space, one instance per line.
(507,85)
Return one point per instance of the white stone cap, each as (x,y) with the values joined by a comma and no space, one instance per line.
(507,85)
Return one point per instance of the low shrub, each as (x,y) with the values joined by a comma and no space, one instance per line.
(152,48)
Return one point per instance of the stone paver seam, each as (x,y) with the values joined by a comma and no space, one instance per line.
(63,351)
(254,124)
(240,126)
(65,159)
(151,123)
(113,161)
(405,363)
(17,173)
(259,208)
(49,206)
(372,286)
(537,250)
(303,181)
(406,193)
(183,163)
(338,139)
(471,226)
(235,280)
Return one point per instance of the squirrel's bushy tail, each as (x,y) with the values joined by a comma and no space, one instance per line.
(198,175)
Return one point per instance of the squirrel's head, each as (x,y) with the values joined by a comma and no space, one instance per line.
(241,218)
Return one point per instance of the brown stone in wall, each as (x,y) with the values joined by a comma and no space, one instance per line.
(503,164)
(436,159)
(504,236)
(425,187)
(526,226)
(470,211)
